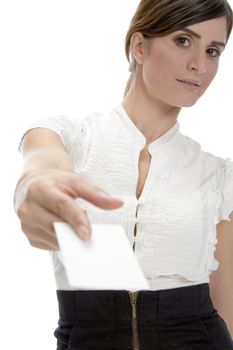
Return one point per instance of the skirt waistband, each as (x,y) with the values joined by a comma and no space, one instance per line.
(115,306)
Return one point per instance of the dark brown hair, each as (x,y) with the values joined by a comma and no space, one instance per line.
(162,17)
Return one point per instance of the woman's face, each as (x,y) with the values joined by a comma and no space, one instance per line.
(179,67)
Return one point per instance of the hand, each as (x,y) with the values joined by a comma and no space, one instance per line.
(43,197)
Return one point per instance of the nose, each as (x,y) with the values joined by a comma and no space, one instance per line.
(197,64)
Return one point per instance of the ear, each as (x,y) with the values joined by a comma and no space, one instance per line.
(137,47)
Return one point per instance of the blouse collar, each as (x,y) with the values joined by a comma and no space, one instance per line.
(138,136)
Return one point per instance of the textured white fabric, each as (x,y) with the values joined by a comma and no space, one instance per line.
(186,193)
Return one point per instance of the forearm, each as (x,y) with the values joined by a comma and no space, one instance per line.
(43,152)
(221,280)
(48,187)
(43,149)
(221,292)
(48,158)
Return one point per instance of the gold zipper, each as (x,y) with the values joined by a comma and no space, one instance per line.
(133,301)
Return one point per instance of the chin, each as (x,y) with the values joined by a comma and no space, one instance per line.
(186,103)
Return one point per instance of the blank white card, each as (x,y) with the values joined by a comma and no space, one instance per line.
(106,261)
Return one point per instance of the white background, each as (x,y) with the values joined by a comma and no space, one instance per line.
(67,57)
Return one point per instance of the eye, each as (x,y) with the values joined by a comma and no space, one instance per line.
(213,52)
(183,41)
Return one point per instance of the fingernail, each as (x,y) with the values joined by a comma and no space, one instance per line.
(83,232)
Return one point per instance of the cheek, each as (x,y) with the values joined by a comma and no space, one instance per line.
(161,67)
(212,70)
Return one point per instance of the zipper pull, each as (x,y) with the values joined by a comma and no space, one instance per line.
(133,301)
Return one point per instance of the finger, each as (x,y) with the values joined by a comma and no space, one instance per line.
(74,186)
(32,214)
(78,186)
(39,238)
(42,246)
(66,210)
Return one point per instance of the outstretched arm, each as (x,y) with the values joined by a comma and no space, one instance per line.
(47,190)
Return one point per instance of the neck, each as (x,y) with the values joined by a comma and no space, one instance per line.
(152,117)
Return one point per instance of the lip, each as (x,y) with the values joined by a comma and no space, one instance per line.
(189,83)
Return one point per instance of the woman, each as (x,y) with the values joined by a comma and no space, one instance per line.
(172,193)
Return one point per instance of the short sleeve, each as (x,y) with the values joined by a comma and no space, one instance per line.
(227,191)
(71,131)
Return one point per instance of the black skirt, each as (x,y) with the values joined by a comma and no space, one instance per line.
(172,319)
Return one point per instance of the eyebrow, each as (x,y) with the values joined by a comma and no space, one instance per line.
(199,37)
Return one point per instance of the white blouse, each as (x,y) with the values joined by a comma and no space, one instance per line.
(186,193)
